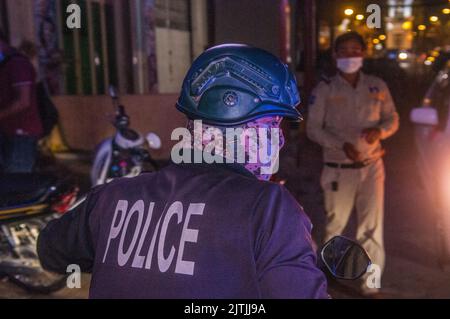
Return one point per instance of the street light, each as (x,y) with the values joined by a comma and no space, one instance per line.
(421,27)
(375,41)
(403,55)
(407,25)
(434,18)
(348,12)
(446,11)
(434,53)
(382,37)
(359,17)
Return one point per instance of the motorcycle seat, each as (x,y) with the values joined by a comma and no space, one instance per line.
(22,189)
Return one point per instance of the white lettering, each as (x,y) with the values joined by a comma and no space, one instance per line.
(262,148)
(121,207)
(134,229)
(374,279)
(188,235)
(148,262)
(138,260)
(122,257)
(186,140)
(164,263)
(74,19)
(74,279)
(374,19)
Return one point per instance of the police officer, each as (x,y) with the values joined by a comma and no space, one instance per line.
(199,230)
(349,115)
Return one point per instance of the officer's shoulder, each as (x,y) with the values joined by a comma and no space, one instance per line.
(288,205)
(375,80)
(98,190)
(325,82)
(116,184)
(279,191)
(325,79)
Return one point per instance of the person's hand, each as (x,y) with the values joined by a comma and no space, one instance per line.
(372,134)
(351,152)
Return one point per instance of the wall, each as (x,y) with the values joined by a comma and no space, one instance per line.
(85,122)
(199,27)
(21,21)
(244,21)
(173,56)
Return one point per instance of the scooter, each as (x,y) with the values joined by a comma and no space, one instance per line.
(125,154)
(27,203)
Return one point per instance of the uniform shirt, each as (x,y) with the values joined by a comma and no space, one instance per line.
(338,113)
(15,72)
(188,231)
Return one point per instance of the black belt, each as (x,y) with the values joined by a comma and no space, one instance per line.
(352,165)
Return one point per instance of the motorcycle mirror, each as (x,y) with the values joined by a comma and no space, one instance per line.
(153,140)
(344,258)
(113,92)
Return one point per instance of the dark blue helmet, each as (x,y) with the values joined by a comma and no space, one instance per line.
(232,84)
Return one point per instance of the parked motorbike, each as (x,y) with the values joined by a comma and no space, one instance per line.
(27,203)
(125,154)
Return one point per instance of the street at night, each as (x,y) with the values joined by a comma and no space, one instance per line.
(226,150)
(411,238)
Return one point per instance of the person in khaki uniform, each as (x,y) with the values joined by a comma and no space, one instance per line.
(348,116)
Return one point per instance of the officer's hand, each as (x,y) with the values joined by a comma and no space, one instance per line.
(351,152)
(372,134)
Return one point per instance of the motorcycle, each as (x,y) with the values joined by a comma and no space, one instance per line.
(27,203)
(125,154)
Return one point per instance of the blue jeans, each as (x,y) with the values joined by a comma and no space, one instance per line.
(17,154)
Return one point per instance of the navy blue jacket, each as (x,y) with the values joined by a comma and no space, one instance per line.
(188,231)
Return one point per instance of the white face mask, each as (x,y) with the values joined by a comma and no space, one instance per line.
(349,65)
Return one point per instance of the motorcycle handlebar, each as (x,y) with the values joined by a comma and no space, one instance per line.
(122,120)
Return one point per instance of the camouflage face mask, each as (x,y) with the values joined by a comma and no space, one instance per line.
(260,140)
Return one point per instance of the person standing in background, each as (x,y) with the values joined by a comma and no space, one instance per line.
(20,124)
(349,115)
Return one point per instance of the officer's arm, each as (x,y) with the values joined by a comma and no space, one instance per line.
(67,240)
(315,125)
(389,117)
(285,260)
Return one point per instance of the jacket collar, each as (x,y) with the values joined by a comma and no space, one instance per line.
(361,80)
(219,164)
